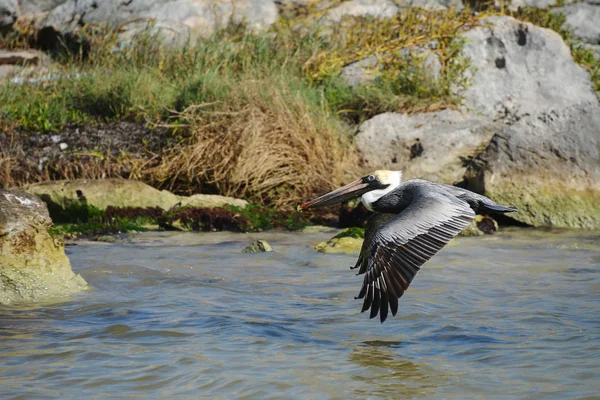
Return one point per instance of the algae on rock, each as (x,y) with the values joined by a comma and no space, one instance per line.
(259,246)
(348,241)
(33,264)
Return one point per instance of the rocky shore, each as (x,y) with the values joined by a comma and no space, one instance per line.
(495,103)
(33,263)
(526,131)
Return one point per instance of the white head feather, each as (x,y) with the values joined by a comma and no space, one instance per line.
(391,178)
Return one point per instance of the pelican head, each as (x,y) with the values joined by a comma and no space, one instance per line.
(371,187)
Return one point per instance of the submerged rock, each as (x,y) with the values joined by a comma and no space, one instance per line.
(106,239)
(33,264)
(481,225)
(349,241)
(260,246)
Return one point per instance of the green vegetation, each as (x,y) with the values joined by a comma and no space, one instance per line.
(79,220)
(155,83)
(355,232)
(265,117)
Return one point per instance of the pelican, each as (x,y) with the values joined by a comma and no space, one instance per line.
(413,221)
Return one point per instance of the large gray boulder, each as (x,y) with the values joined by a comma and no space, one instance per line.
(33,264)
(529,132)
(9,12)
(583,20)
(545,158)
(177,20)
(436,146)
(35,9)
(522,69)
(548,165)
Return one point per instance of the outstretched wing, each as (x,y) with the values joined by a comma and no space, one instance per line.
(395,250)
(374,223)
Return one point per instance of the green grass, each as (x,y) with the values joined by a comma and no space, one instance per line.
(266,117)
(145,81)
(356,233)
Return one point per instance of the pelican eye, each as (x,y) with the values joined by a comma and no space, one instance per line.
(371,178)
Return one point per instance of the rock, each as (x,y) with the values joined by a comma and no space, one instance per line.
(514,5)
(522,69)
(9,12)
(35,9)
(21,57)
(176,20)
(260,246)
(481,225)
(363,8)
(361,72)
(583,20)
(33,264)
(436,146)
(547,165)
(312,229)
(101,193)
(544,158)
(211,201)
(106,239)
(23,62)
(349,241)
(367,70)
(530,132)
(433,4)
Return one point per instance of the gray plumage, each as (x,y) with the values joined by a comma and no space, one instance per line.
(412,223)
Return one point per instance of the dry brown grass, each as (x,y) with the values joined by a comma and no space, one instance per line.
(267,145)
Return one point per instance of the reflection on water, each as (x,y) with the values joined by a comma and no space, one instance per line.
(177,315)
(383,372)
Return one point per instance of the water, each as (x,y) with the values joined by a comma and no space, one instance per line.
(185,315)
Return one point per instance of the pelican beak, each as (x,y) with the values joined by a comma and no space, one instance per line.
(350,191)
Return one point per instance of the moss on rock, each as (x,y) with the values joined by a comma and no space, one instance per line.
(348,241)
(33,264)
(259,246)
(481,225)
(555,206)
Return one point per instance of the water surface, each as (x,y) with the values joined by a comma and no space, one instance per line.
(183,315)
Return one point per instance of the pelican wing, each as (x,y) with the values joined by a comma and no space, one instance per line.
(394,251)
(374,223)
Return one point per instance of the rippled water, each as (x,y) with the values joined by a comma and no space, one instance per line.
(516,315)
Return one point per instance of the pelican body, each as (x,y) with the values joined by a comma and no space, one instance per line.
(413,221)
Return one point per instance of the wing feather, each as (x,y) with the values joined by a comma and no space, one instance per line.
(396,246)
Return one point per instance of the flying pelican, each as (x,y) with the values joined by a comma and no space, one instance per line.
(413,220)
